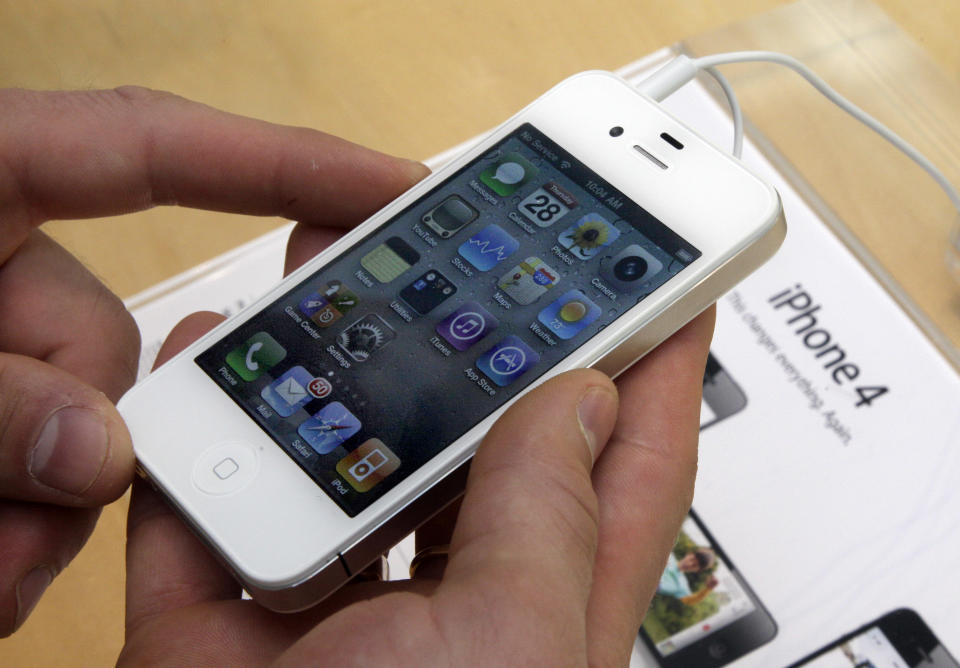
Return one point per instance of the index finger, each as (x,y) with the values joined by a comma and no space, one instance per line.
(94,153)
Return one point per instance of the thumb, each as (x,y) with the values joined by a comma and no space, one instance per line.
(62,441)
(527,532)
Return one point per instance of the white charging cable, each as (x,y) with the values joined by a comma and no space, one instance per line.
(682,69)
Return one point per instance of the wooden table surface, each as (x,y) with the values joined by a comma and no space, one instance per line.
(417,77)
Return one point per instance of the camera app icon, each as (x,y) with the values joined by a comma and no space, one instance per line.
(368,465)
(631,269)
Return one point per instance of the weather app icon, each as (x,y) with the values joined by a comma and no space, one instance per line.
(488,247)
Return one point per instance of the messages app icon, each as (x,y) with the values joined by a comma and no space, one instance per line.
(509,173)
(257,354)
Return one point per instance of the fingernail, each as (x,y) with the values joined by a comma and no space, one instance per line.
(71,450)
(30,589)
(416,171)
(594,414)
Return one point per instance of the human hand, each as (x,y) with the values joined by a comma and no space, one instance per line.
(68,348)
(553,560)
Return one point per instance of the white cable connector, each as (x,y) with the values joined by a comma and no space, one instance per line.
(682,69)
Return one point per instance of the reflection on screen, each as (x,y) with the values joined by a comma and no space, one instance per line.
(697,594)
(870,649)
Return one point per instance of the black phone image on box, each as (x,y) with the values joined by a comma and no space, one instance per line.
(722,396)
(899,639)
(704,613)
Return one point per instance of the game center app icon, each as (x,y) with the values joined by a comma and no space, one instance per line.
(507,360)
(488,247)
(528,280)
(369,333)
(509,173)
(569,314)
(467,325)
(257,354)
(369,464)
(329,428)
(329,305)
(288,392)
(587,236)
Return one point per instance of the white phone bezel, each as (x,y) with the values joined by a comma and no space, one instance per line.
(281,527)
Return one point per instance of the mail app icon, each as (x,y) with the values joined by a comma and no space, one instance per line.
(288,392)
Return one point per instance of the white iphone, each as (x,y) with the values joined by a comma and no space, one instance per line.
(308,434)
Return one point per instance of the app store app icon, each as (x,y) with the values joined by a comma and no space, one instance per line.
(507,360)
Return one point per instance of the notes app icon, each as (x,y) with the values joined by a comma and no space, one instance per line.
(467,325)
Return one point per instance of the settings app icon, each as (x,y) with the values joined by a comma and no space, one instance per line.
(369,333)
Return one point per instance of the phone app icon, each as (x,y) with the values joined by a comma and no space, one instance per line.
(255,356)
(428,292)
(546,205)
(329,428)
(390,259)
(467,325)
(288,392)
(630,269)
(450,216)
(488,247)
(368,465)
(507,360)
(528,280)
(587,236)
(329,305)
(369,333)
(569,314)
(509,173)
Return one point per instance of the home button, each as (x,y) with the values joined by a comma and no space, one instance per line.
(225,468)
(717,650)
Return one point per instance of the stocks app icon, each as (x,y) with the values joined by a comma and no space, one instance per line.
(467,325)
(488,247)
